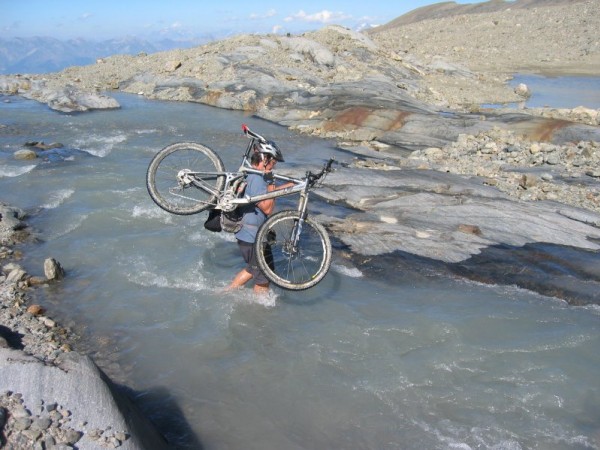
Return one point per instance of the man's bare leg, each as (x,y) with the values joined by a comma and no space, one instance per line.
(261,289)
(240,279)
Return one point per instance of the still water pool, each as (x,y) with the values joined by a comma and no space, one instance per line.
(560,92)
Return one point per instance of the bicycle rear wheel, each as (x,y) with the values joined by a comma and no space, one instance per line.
(294,267)
(185,178)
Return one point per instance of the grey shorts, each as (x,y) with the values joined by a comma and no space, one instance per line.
(247,250)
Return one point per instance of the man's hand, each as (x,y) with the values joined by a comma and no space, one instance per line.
(269,177)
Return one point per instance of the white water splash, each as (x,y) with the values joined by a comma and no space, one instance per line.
(100,146)
(352,272)
(151,212)
(72,225)
(142,274)
(57,198)
(246,295)
(13,171)
(151,131)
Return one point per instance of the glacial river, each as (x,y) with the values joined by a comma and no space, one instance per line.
(417,361)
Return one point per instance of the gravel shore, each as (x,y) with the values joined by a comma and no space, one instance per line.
(51,409)
(26,327)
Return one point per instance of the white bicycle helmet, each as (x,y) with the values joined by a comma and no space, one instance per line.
(269,148)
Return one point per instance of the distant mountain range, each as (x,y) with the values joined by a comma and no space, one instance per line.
(46,54)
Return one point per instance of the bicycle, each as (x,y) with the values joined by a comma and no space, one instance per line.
(293,250)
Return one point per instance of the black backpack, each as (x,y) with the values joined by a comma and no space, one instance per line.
(228,221)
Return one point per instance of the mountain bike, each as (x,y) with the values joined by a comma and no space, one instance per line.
(293,250)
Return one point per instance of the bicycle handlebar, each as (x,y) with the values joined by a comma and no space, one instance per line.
(314,177)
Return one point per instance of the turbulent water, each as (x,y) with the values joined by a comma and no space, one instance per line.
(412,362)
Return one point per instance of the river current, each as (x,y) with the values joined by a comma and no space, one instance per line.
(413,362)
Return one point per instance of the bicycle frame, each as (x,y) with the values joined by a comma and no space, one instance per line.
(226,199)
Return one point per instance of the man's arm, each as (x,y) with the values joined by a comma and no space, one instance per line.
(267,206)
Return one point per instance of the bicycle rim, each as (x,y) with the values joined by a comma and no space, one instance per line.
(293,267)
(189,194)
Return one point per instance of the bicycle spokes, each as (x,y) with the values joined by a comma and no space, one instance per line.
(300,251)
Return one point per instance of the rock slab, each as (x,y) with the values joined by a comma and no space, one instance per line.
(84,391)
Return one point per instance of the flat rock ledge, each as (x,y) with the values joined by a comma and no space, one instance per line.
(446,217)
(66,99)
(52,397)
(492,207)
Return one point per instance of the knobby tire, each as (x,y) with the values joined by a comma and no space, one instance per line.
(187,198)
(285,268)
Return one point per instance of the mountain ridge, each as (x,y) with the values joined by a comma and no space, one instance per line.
(447,9)
(43,54)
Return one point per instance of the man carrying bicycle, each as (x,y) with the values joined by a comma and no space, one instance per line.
(265,157)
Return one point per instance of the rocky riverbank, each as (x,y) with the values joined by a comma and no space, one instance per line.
(528,171)
(50,407)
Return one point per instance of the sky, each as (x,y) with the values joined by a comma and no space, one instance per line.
(186,19)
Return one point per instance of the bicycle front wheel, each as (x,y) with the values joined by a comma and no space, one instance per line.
(185,178)
(294,266)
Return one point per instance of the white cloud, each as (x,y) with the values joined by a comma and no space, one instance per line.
(276,29)
(324,16)
(269,13)
(86,16)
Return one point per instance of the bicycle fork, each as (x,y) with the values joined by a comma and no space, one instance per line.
(297,229)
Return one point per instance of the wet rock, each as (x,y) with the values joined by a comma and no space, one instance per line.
(25,154)
(37,281)
(71,436)
(22,423)
(522,90)
(53,270)
(43,146)
(16,275)
(35,310)
(11,220)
